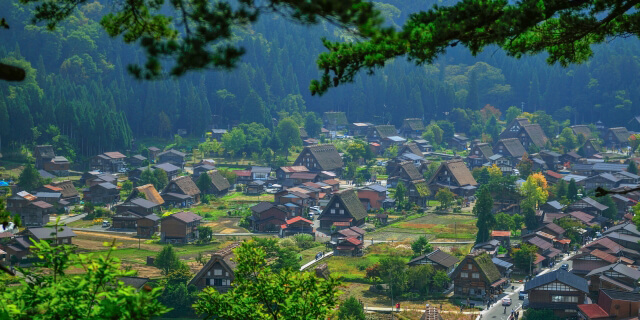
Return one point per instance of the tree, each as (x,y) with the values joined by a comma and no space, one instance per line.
(525,256)
(351,309)
(525,166)
(572,190)
(539,314)
(512,113)
(483,210)
(632,168)
(312,124)
(392,271)
(94,294)
(445,197)
(534,191)
(205,233)
(147,177)
(530,219)
(29,179)
(161,179)
(421,246)
(560,191)
(127,187)
(177,294)
(234,141)
(167,260)
(204,182)
(401,192)
(504,222)
(612,211)
(434,134)
(567,139)
(289,135)
(259,292)
(518,220)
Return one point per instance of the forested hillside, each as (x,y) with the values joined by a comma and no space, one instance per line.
(77,81)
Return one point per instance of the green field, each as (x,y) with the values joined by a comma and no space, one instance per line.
(449,226)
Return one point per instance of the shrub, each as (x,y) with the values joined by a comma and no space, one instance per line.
(304,241)
(238,188)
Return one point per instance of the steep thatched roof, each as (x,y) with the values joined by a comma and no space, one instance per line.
(535,132)
(184,184)
(581,129)
(335,118)
(385,131)
(621,134)
(413,124)
(224,256)
(513,147)
(410,147)
(218,181)
(326,155)
(351,202)
(150,193)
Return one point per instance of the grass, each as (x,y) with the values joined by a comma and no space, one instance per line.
(449,226)
(81,223)
(239,196)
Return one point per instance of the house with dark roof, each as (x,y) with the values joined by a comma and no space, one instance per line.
(582,129)
(605,180)
(424,145)
(407,173)
(43,154)
(455,176)
(283,174)
(458,142)
(627,177)
(615,304)
(125,220)
(346,232)
(545,246)
(590,148)
(171,169)
(626,240)
(343,207)
(137,160)
(477,276)
(623,203)
(411,128)
(33,212)
(93,178)
(439,259)
(552,206)
(510,148)
(616,138)
(200,169)
(147,226)
(585,262)
(180,227)
(617,276)
(560,291)
(372,196)
(323,157)
(479,155)
(628,228)
(218,273)
(181,192)
(172,156)
(153,153)
(532,136)
(267,217)
(59,166)
(379,133)
(513,128)
(219,184)
(588,205)
(18,247)
(335,121)
(107,193)
(551,158)
(297,225)
(108,162)
(359,129)
(139,206)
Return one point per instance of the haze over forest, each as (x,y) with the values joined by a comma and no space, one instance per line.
(77,80)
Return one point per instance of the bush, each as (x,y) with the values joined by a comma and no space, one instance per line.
(304,241)
(238,188)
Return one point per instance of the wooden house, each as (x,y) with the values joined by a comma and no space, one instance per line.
(68,191)
(219,184)
(181,227)
(181,192)
(59,166)
(590,148)
(372,196)
(439,259)
(147,191)
(560,291)
(532,137)
(359,129)
(454,175)
(510,148)
(344,207)
(153,153)
(582,129)
(109,162)
(324,157)
(349,247)
(477,276)
(43,154)
(107,193)
(218,273)
(200,169)
(137,160)
(618,276)
(125,220)
(172,156)
(297,225)
(138,206)
(147,226)
(479,155)
(283,174)
(267,217)
(604,180)
(458,142)
(585,262)
(378,133)
(411,128)
(171,169)
(18,248)
(513,128)
(335,121)
(616,138)
(588,205)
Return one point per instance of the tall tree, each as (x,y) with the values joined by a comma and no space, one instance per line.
(612,210)
(204,182)
(632,168)
(29,179)
(312,124)
(572,190)
(421,246)
(289,135)
(483,210)
(401,192)
(351,309)
(167,260)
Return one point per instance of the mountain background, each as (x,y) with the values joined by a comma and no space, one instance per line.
(77,81)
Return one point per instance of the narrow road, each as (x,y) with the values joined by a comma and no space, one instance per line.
(308,264)
(70,219)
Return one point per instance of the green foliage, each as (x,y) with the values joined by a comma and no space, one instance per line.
(205,233)
(632,168)
(167,260)
(304,241)
(504,222)
(445,197)
(530,219)
(401,193)
(572,190)
(567,140)
(95,294)
(512,113)
(434,134)
(392,272)
(572,227)
(29,178)
(525,167)
(483,210)
(351,309)
(312,124)
(421,246)
(288,133)
(524,257)
(612,211)
(204,183)
(262,292)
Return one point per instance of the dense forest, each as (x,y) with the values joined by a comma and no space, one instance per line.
(79,94)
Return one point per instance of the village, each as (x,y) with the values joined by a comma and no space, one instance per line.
(414,229)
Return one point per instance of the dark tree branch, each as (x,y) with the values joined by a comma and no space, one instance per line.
(11,73)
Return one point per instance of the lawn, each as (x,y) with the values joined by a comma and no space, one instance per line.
(239,196)
(449,226)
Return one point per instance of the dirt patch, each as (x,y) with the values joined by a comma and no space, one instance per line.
(418,225)
(144,271)
(228,231)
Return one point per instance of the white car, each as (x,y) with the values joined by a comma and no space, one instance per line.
(506,301)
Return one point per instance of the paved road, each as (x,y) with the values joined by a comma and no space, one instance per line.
(69,219)
(497,311)
(310,263)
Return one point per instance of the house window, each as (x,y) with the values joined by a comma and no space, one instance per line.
(469,266)
(217,272)
(341,211)
(476,275)
(217,282)
(226,282)
(464,274)
(337,205)
(333,211)
(565,299)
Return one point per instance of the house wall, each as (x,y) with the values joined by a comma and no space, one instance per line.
(272,218)
(174,229)
(375,198)
(146,228)
(621,309)
(543,300)
(470,286)
(218,276)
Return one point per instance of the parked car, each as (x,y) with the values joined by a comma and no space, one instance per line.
(522,295)
(106,224)
(506,301)
(565,267)
(315,209)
